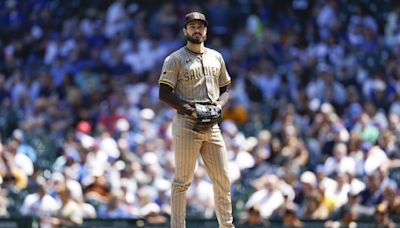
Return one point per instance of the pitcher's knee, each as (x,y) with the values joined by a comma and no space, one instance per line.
(180,186)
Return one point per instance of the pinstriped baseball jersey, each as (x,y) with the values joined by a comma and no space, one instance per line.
(195,77)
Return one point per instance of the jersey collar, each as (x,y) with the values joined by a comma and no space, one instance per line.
(195,53)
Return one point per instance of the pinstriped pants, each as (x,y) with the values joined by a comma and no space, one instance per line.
(211,146)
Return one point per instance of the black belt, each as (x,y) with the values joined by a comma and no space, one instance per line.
(202,102)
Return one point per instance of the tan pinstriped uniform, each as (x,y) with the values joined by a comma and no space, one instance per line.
(197,78)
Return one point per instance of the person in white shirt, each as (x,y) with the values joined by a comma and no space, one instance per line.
(39,203)
(339,162)
(267,199)
(325,182)
(20,160)
(69,213)
(242,158)
(342,189)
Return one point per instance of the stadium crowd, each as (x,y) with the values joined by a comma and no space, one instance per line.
(312,126)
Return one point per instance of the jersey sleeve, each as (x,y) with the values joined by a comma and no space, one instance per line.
(224,77)
(170,71)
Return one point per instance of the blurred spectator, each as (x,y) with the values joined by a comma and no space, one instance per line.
(340,161)
(114,208)
(166,18)
(387,142)
(23,147)
(306,185)
(39,203)
(69,213)
(88,210)
(20,160)
(12,177)
(116,19)
(382,218)
(96,187)
(391,198)
(219,15)
(313,207)
(343,187)
(352,207)
(374,158)
(347,218)
(109,117)
(372,195)
(356,185)
(237,154)
(145,204)
(327,17)
(325,182)
(288,205)
(253,217)
(268,197)
(294,153)
(290,219)
(325,87)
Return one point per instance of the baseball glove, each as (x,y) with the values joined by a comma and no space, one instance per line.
(207,116)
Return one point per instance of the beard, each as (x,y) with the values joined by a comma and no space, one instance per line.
(196,39)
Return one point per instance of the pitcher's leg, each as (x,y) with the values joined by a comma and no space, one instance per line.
(187,146)
(215,160)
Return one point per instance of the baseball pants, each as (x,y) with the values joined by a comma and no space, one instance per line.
(211,146)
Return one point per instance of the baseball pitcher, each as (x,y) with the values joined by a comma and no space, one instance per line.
(194,82)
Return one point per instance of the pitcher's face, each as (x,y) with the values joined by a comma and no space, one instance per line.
(195,32)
